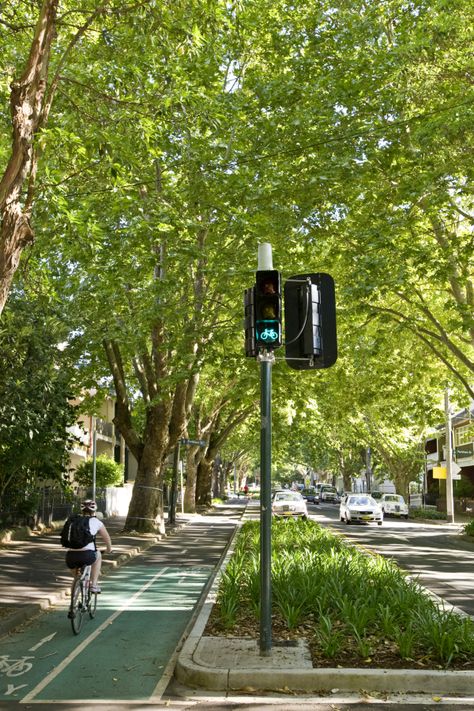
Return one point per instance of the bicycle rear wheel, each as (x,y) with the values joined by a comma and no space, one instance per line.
(92,604)
(76,610)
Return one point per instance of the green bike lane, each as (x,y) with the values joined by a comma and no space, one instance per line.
(127,652)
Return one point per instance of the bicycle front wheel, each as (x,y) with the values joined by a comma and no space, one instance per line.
(76,610)
(92,604)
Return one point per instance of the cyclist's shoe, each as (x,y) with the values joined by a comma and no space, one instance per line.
(71,615)
(95,589)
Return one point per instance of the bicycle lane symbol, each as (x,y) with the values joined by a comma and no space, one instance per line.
(17,663)
(13,668)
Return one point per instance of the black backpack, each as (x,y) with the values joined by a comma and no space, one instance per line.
(76,533)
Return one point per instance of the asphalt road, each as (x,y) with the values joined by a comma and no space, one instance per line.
(433,553)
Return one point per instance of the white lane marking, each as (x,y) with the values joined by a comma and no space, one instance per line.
(42,641)
(52,675)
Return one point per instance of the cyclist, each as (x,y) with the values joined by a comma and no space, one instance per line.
(89,554)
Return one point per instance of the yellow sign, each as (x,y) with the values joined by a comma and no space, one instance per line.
(439,472)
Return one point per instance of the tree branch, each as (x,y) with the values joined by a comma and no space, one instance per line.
(123,420)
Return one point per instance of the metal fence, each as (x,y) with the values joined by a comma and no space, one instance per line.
(47,504)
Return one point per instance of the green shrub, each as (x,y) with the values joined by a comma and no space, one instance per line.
(341,597)
(428,513)
(108,472)
(469,528)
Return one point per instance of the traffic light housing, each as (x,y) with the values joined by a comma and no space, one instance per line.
(310,321)
(268,312)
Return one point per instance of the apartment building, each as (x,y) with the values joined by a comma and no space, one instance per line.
(110,442)
(463,455)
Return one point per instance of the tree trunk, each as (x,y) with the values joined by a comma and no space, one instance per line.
(28,110)
(145,513)
(401,479)
(204,483)
(216,477)
(191,479)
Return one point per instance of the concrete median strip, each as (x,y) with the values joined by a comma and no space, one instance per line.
(235,664)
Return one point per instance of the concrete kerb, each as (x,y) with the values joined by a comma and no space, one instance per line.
(27,612)
(21,615)
(234,664)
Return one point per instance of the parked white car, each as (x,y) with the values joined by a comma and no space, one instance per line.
(394,505)
(361,508)
(289,503)
(328,493)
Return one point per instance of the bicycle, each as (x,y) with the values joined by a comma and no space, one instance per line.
(82,598)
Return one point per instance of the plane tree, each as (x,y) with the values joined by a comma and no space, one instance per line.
(363,129)
(40,41)
(225,400)
(145,236)
(162,170)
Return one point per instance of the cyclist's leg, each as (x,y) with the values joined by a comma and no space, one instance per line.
(77,559)
(95,569)
(74,566)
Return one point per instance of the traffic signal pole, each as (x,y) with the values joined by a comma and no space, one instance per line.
(266,361)
(310,331)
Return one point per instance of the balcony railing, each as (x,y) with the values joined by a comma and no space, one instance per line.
(104,428)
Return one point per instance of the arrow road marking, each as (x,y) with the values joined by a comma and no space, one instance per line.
(42,641)
(11,688)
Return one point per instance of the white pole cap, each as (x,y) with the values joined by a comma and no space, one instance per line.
(265,260)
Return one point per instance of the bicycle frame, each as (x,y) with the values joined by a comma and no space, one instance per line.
(82,599)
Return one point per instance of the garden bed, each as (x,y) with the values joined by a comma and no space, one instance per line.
(354,609)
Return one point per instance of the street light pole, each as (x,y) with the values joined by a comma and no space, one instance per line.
(94,459)
(449,460)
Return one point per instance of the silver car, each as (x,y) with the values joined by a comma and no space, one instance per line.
(361,508)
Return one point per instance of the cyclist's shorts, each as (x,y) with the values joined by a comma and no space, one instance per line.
(76,559)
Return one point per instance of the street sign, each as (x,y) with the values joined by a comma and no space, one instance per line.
(455,469)
(441,472)
(200,442)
